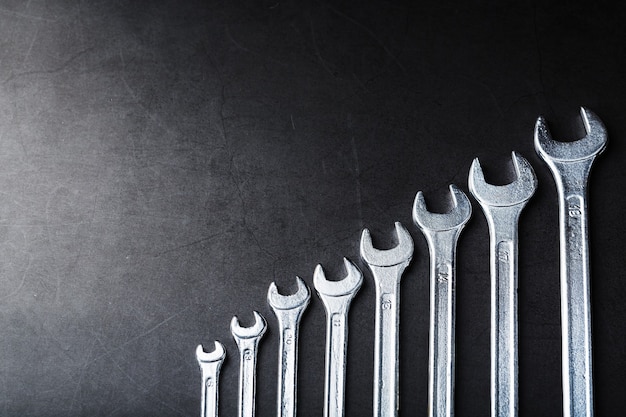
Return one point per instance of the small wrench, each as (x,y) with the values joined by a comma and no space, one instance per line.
(288,310)
(387,267)
(570,164)
(502,206)
(442,232)
(336,297)
(247,339)
(210,364)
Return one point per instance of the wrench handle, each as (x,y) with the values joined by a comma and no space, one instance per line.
(247,381)
(210,379)
(503,230)
(575,307)
(442,248)
(288,362)
(336,337)
(386,345)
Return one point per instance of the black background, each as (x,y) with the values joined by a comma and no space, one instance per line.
(162,162)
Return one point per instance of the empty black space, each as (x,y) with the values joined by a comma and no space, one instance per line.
(162,162)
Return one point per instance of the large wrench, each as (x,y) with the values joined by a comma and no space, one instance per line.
(442,232)
(210,365)
(288,310)
(387,267)
(502,206)
(247,339)
(570,164)
(336,297)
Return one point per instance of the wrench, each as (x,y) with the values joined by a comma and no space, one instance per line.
(210,364)
(247,339)
(288,310)
(387,267)
(336,297)
(570,164)
(442,232)
(502,206)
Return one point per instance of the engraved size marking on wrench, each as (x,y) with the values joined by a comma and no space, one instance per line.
(570,164)
(387,267)
(502,206)
(336,297)
(442,231)
(288,310)
(210,364)
(247,339)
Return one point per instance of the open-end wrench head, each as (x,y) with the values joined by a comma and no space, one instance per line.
(517,192)
(456,217)
(589,146)
(217,355)
(403,252)
(348,285)
(256,330)
(287,302)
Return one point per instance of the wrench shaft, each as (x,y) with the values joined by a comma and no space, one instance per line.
(287,376)
(209,403)
(575,289)
(336,333)
(247,380)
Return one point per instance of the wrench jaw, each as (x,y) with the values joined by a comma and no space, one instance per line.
(350,284)
(585,148)
(289,302)
(217,355)
(517,192)
(255,331)
(457,217)
(401,254)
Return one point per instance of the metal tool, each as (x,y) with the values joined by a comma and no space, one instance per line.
(288,310)
(210,364)
(442,231)
(247,339)
(387,267)
(502,206)
(570,164)
(336,297)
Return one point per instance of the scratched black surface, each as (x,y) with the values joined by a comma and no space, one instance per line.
(162,162)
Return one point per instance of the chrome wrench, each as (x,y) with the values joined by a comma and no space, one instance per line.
(502,206)
(336,297)
(247,339)
(387,267)
(288,310)
(210,365)
(442,231)
(570,164)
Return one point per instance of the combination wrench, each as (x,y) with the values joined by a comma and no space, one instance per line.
(336,297)
(502,206)
(288,310)
(570,163)
(210,365)
(442,231)
(247,339)
(387,267)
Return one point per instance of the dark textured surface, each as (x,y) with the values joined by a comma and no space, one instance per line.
(162,162)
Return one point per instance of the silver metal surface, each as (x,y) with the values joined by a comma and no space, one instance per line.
(288,310)
(570,163)
(210,365)
(442,232)
(336,297)
(247,339)
(387,267)
(502,206)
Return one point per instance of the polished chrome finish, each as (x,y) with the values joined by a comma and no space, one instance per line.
(336,297)
(387,267)
(247,339)
(288,310)
(570,163)
(210,365)
(502,206)
(442,231)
